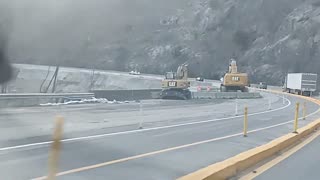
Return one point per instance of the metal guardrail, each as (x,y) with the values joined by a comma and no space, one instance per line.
(27,95)
(35,99)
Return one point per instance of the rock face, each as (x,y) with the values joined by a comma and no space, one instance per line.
(268,37)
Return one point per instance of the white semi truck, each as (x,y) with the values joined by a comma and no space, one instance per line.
(301,83)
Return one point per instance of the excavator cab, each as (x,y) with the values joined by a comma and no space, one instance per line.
(170,75)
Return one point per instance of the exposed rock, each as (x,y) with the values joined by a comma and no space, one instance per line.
(268,37)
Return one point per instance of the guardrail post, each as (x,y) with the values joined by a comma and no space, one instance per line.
(296,118)
(245,122)
(141,115)
(236,110)
(304,110)
(55,149)
(269,102)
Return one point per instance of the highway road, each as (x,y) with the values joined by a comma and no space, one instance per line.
(102,141)
(73,69)
(31,77)
(304,164)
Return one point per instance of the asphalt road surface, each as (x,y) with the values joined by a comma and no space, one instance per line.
(304,164)
(103,141)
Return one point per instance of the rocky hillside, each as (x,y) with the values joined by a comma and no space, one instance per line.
(268,37)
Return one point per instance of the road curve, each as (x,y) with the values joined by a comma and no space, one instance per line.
(171,148)
(304,163)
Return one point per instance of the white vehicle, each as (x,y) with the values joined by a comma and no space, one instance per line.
(200,79)
(134,72)
(301,83)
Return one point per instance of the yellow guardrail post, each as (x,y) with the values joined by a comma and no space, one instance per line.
(304,110)
(245,122)
(296,117)
(55,149)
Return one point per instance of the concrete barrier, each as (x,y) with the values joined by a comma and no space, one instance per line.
(127,95)
(35,99)
(225,95)
(230,167)
(248,95)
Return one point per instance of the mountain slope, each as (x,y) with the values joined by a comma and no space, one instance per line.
(268,37)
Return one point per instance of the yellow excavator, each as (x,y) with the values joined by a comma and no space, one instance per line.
(234,81)
(176,84)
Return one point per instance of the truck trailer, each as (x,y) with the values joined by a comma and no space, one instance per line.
(301,83)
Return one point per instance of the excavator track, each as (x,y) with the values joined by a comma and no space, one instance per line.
(176,94)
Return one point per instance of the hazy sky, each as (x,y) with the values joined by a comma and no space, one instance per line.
(42,29)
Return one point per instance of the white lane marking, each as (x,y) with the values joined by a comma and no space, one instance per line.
(139,156)
(140,130)
(85,168)
(281,124)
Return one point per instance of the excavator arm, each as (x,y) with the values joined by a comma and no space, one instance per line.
(182,71)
